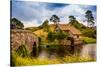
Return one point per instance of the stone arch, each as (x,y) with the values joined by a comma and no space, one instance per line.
(22,51)
(19,37)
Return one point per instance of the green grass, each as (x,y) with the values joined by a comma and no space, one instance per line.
(29,61)
(74,59)
(88,40)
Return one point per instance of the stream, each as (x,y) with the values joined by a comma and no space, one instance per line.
(88,50)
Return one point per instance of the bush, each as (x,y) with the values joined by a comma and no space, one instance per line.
(51,36)
(61,35)
(22,51)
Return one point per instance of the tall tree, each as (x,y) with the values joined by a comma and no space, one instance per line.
(72,19)
(75,22)
(55,19)
(89,17)
(15,23)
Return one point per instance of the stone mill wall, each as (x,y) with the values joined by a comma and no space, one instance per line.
(19,37)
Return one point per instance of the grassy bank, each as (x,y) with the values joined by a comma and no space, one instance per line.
(27,61)
(88,40)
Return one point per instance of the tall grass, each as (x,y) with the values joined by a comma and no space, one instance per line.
(28,61)
(73,59)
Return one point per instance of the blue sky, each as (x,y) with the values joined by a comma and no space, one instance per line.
(34,13)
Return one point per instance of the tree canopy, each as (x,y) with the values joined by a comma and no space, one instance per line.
(75,23)
(15,23)
(57,35)
(89,17)
(55,19)
(72,18)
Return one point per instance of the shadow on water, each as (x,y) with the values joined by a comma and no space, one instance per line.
(61,51)
(53,51)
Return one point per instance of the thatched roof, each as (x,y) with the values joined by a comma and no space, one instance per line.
(71,28)
(68,27)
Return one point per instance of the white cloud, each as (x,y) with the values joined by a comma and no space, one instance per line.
(33,23)
(39,12)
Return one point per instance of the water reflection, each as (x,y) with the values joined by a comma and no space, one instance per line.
(55,51)
(89,50)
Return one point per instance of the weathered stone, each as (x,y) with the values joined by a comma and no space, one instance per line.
(19,37)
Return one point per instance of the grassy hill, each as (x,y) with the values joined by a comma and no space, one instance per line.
(32,28)
(78,25)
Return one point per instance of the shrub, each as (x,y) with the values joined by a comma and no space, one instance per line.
(51,36)
(61,35)
(22,51)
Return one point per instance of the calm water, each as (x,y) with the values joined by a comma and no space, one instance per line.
(89,50)
(53,52)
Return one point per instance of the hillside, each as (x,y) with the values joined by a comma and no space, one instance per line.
(86,31)
(32,28)
(78,25)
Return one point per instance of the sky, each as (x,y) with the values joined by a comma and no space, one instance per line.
(32,13)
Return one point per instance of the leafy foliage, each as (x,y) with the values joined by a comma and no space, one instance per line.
(15,23)
(72,18)
(22,51)
(55,19)
(89,17)
(56,35)
(61,35)
(86,31)
(51,36)
(75,23)
(89,32)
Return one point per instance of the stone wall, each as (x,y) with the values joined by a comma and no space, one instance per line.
(19,37)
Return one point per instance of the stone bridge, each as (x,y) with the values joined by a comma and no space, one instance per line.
(20,37)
